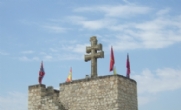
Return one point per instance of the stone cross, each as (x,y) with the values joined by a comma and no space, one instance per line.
(93,55)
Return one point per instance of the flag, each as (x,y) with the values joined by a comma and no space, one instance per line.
(128,67)
(114,71)
(112,60)
(69,78)
(41,73)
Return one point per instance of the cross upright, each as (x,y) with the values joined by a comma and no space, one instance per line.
(93,55)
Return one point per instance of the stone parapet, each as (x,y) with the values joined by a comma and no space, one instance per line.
(100,77)
(100,93)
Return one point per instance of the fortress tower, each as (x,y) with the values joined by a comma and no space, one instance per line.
(111,92)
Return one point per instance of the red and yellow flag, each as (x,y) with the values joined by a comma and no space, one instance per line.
(112,60)
(69,78)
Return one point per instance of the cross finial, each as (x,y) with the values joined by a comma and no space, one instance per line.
(94,55)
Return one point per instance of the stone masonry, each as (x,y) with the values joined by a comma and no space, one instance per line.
(42,98)
(112,92)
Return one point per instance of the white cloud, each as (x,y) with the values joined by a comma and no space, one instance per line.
(80,48)
(97,24)
(111,15)
(3,53)
(61,56)
(157,33)
(69,50)
(68,42)
(47,58)
(27,52)
(42,53)
(76,48)
(160,80)
(14,101)
(163,11)
(53,57)
(116,10)
(56,29)
(91,24)
(75,18)
(53,49)
(27,22)
(151,83)
(126,1)
(69,57)
(124,10)
(24,58)
(144,99)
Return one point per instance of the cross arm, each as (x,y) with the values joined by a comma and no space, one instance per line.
(96,47)
(100,54)
(87,57)
(88,49)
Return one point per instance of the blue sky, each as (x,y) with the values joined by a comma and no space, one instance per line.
(58,31)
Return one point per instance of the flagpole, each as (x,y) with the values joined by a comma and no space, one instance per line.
(114,70)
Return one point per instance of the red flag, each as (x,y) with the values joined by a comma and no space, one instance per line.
(41,73)
(112,60)
(128,67)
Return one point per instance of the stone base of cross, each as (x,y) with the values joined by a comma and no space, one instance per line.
(93,55)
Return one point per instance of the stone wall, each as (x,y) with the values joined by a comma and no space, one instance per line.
(42,98)
(113,92)
(127,94)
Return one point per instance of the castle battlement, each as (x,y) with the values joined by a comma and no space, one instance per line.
(41,89)
(41,97)
(111,92)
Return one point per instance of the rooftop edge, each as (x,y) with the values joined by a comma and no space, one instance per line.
(99,77)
